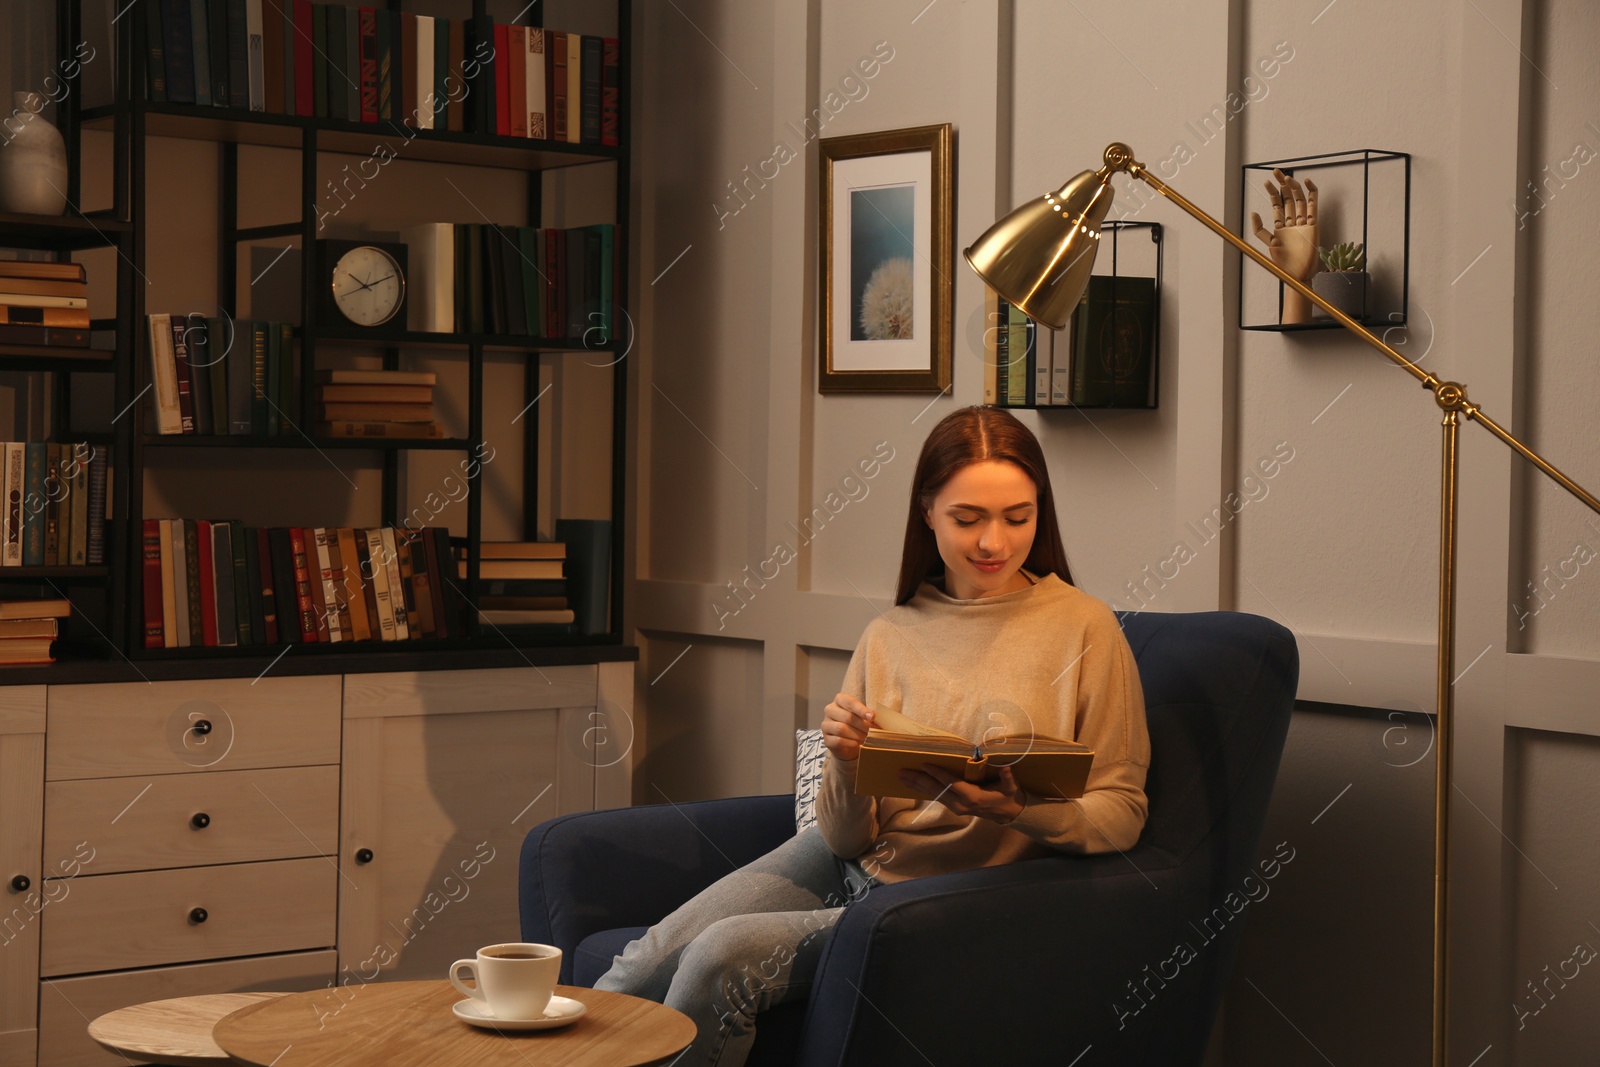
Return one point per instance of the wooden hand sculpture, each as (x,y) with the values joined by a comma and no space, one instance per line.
(1292,242)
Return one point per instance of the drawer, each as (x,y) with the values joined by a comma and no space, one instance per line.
(144,824)
(66,1005)
(111,921)
(128,729)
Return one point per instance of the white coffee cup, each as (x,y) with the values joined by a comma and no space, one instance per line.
(514,979)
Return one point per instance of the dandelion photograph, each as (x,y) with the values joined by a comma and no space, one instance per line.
(881,253)
(886,252)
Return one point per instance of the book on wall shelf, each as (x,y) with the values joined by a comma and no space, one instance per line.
(1046,767)
(368,64)
(1104,357)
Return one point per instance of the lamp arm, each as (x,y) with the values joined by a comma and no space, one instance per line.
(1451,396)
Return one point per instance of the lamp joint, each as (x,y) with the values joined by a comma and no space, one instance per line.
(1451,396)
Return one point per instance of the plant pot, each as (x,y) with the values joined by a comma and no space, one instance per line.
(33,160)
(1344,289)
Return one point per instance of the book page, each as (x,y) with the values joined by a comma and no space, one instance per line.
(894,722)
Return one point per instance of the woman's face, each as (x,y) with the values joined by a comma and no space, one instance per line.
(984,521)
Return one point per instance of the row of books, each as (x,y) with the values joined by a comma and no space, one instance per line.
(29,628)
(224,584)
(485,278)
(56,503)
(222,376)
(370,64)
(1104,358)
(43,304)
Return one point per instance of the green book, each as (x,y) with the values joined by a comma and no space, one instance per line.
(1019,383)
(216,330)
(532,289)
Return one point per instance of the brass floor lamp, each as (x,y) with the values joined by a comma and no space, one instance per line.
(1040,256)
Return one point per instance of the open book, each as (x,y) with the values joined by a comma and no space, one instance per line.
(1044,766)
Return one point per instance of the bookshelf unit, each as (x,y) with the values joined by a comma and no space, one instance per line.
(133,120)
(341,784)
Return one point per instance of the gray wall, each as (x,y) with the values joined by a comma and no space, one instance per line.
(734,443)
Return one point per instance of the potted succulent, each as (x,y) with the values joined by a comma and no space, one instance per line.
(1343,280)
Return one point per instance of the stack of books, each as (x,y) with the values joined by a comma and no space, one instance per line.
(376,403)
(43,304)
(223,584)
(522,582)
(524,280)
(28,628)
(372,64)
(223,377)
(55,500)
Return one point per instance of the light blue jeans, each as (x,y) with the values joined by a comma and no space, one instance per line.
(748,941)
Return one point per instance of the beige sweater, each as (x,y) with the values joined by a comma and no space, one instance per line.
(1050,658)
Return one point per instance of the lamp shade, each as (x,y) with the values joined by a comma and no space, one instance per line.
(1039,257)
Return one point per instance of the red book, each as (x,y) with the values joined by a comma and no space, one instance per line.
(502,79)
(269,604)
(517,79)
(208,586)
(555,70)
(368,21)
(302,585)
(611,92)
(180,351)
(304,57)
(152,584)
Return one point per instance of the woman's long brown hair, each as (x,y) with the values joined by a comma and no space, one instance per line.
(972,435)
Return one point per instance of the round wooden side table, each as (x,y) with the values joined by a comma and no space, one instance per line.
(411,1024)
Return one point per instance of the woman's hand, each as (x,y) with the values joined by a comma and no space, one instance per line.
(844,726)
(999,799)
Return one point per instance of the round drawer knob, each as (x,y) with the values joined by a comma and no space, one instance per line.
(21,883)
(201,726)
(198,916)
(364,855)
(200,820)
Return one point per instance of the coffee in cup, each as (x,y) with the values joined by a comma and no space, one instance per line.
(515,980)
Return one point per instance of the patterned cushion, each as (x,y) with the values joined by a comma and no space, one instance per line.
(809,752)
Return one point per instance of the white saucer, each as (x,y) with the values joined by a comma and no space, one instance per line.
(560,1012)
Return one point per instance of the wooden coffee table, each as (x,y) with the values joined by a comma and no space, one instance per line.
(397,1024)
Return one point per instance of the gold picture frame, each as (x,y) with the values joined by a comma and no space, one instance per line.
(887,215)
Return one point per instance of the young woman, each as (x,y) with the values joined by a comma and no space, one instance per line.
(988,636)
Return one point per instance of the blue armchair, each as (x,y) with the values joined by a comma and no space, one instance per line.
(1125,955)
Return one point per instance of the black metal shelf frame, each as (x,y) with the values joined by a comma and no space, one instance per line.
(132,119)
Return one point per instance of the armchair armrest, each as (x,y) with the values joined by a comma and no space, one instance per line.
(601,870)
(1043,958)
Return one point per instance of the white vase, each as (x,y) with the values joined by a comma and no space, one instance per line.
(33,160)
